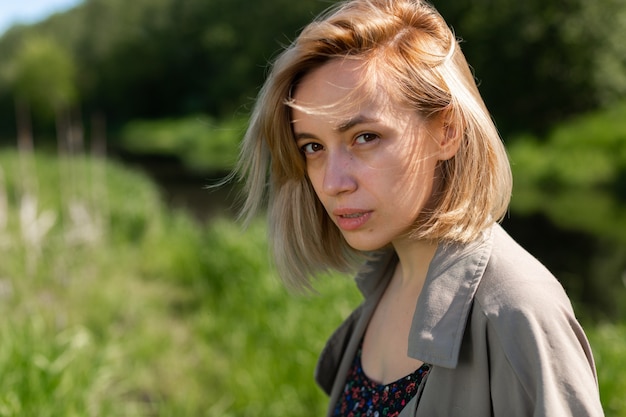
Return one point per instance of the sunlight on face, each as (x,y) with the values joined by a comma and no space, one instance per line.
(371,163)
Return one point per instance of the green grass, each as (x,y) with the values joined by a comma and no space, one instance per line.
(153,314)
(609,348)
(150,313)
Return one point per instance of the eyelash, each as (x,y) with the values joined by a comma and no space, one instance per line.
(304,147)
(367,136)
(372,136)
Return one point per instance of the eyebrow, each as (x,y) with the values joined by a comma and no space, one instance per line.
(349,124)
(341,127)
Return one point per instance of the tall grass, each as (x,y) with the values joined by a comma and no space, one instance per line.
(154,314)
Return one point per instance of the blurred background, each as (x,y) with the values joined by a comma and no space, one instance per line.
(127,286)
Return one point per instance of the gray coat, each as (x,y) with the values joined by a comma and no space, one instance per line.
(497,328)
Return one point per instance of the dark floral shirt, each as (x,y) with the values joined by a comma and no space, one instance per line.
(364,397)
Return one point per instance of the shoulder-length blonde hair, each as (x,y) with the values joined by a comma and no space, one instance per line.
(411,48)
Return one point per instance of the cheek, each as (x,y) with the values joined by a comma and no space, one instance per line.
(315,177)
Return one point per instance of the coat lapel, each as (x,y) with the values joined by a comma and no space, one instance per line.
(445,302)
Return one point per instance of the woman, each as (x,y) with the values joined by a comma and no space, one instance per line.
(376,153)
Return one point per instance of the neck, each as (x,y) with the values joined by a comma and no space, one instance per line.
(414,260)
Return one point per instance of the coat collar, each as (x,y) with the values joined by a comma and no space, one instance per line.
(445,302)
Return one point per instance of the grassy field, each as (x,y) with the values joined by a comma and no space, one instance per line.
(115,306)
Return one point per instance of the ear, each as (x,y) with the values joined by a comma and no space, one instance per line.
(450,139)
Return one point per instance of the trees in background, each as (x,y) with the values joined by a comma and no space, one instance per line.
(540,62)
(537,62)
(41,77)
(162,58)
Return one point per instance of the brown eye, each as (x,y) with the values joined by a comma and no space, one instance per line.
(311,148)
(365,138)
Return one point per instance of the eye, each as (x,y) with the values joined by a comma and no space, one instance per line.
(365,138)
(311,148)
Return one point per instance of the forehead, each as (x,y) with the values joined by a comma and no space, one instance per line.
(340,90)
(330,82)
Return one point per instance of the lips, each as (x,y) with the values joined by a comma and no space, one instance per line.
(351,219)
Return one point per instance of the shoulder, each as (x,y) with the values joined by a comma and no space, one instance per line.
(516,283)
(531,327)
(526,310)
(539,355)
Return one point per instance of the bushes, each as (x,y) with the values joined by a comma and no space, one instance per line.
(199,141)
(588,151)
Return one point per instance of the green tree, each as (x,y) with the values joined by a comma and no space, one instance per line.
(539,62)
(42,76)
(163,58)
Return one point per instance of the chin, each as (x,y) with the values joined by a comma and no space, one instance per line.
(366,245)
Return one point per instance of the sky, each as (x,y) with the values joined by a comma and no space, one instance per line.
(30,11)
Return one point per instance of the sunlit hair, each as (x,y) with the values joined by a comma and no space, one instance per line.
(407,47)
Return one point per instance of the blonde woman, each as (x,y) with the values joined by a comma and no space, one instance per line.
(375,151)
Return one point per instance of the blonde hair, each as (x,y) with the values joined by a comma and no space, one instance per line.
(417,57)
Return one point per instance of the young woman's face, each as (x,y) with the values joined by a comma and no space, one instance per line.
(373,164)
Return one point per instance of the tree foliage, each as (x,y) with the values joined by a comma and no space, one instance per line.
(43,73)
(161,58)
(540,62)
(537,61)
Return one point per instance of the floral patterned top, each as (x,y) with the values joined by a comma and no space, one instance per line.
(364,397)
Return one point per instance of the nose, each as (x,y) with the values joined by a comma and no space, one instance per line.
(339,175)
